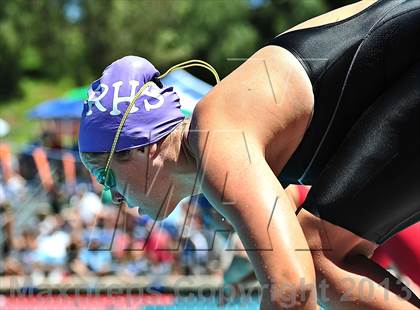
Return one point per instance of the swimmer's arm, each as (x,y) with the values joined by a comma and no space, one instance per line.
(251,197)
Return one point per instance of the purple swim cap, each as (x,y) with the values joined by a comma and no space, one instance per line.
(154,115)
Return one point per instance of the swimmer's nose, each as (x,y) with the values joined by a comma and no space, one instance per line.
(117,198)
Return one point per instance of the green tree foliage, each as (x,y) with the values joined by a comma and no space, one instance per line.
(79,38)
(167,31)
(10,72)
(36,39)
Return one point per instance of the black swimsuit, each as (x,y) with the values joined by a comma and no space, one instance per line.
(361,151)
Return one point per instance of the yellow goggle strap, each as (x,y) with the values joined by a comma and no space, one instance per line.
(182,65)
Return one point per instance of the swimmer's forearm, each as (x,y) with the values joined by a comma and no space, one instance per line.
(354,286)
(368,269)
(261,213)
(284,272)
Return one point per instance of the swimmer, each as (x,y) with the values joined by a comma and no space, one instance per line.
(331,103)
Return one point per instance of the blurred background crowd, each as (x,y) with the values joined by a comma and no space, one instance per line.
(76,234)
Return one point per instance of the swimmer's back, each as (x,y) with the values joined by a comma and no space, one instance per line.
(350,63)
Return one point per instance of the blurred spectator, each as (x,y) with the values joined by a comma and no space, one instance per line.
(51,253)
(10,264)
(51,140)
(88,203)
(56,199)
(12,267)
(74,265)
(133,262)
(95,257)
(52,247)
(195,248)
(160,251)
(6,223)
(13,189)
(2,192)
(26,246)
(159,248)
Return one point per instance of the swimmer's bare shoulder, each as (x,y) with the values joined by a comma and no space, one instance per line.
(249,125)
(268,97)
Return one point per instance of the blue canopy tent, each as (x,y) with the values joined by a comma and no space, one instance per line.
(59,108)
(189,88)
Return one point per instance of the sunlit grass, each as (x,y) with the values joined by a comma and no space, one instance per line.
(15,111)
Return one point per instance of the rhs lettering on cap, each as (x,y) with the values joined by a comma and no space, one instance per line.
(155,113)
(98,91)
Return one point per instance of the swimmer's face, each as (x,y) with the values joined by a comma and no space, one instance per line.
(142,177)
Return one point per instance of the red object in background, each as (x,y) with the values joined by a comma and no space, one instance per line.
(380,257)
(88,301)
(158,246)
(121,245)
(303,191)
(402,250)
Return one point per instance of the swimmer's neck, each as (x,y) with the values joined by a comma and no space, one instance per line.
(185,170)
(186,167)
(186,149)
